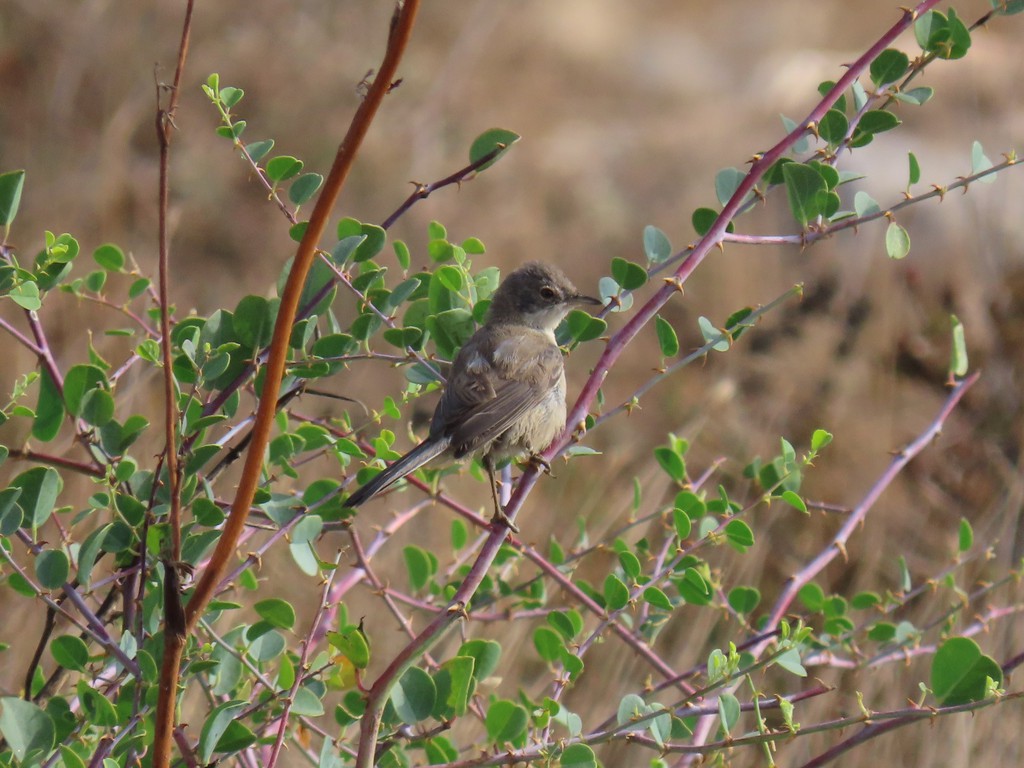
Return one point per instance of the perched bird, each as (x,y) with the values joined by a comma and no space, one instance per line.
(505,396)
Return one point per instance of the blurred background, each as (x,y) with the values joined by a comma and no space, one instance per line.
(627,111)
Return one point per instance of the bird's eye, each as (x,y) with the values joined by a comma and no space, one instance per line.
(548,292)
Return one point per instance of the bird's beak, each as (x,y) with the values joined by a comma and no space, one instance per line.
(580,299)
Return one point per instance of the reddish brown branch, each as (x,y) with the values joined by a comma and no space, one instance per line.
(174,637)
(398,38)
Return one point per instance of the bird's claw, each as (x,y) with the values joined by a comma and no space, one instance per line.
(500,518)
(536,461)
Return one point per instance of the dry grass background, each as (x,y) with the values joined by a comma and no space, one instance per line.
(626,110)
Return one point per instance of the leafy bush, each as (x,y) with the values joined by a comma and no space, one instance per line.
(154,621)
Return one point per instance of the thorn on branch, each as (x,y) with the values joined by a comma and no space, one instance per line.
(675,283)
(458,609)
(363,86)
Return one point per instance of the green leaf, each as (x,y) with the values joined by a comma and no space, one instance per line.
(26,295)
(216,726)
(826,86)
(11,184)
(631,708)
(897,241)
(718,340)
(682,523)
(670,461)
(282,168)
(915,96)
(660,726)
(915,169)
(569,623)
(304,187)
(578,756)
(790,661)
(49,409)
(495,139)
(804,185)
(667,339)
(959,672)
(657,598)
(612,295)
(450,277)
(486,655)
(303,534)
(728,711)
(413,696)
(793,500)
(506,722)
(95,281)
(52,568)
(865,205)
(277,612)
(801,145)
(27,729)
(877,121)
(451,329)
(11,513)
(548,643)
(457,677)
(628,274)
(905,581)
(351,642)
(97,407)
(966,536)
(110,257)
(40,487)
(253,322)
(70,652)
(959,38)
(958,364)
(657,247)
(882,632)
(739,535)
(616,594)
(307,703)
(80,380)
(402,254)
(373,239)
(230,96)
(584,327)
(833,127)
(727,181)
(889,66)
(744,599)
(981,163)
(420,565)
(931,29)
(259,149)
(631,564)
(703,219)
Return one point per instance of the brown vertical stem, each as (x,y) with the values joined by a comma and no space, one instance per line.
(398,38)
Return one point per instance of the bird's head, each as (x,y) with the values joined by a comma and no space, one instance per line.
(536,295)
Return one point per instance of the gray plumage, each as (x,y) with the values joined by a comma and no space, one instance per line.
(505,395)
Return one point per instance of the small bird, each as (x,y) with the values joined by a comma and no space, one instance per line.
(505,396)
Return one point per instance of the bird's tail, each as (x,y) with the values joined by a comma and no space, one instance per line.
(413,460)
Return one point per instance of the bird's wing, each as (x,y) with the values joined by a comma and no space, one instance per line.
(492,388)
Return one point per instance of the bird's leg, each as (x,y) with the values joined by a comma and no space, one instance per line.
(499,512)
